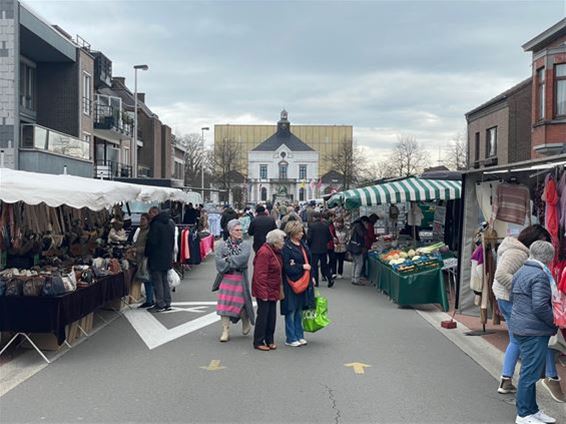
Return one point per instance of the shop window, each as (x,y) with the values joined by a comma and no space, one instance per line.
(540,93)
(560,78)
(491,143)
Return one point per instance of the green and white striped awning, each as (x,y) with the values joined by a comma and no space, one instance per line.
(408,190)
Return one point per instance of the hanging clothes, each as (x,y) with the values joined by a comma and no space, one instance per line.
(486,194)
(551,221)
(185,248)
(512,203)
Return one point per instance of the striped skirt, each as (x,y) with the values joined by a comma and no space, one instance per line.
(231,299)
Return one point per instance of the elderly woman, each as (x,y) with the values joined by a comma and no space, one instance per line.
(234,298)
(140,239)
(296,262)
(266,288)
(532,324)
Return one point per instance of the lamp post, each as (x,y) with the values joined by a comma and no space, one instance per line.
(134,147)
(203,129)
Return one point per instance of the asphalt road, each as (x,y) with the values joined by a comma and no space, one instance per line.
(416,374)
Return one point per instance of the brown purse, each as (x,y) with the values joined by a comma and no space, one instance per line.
(302,283)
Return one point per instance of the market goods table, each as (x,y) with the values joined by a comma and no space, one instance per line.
(409,289)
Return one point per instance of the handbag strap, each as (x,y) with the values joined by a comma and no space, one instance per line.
(305,255)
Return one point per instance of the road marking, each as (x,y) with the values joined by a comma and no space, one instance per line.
(358,367)
(155,334)
(213,366)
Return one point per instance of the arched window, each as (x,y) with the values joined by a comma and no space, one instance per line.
(301,194)
(263,194)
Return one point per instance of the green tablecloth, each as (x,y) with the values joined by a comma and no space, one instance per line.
(409,289)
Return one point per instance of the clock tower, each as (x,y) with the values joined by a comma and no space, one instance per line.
(284,126)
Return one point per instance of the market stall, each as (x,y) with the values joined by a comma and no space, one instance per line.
(408,270)
(63,251)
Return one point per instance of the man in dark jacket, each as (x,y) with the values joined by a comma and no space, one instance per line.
(159,252)
(260,226)
(356,247)
(191,215)
(228,215)
(318,238)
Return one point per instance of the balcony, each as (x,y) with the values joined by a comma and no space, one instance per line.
(111,169)
(110,118)
(41,138)
(283,180)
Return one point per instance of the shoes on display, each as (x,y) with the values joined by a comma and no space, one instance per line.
(553,387)
(293,344)
(303,342)
(543,418)
(146,305)
(506,386)
(529,419)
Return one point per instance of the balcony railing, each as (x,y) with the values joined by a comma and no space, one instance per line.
(37,137)
(109,118)
(112,169)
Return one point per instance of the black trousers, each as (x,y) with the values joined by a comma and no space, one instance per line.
(332,262)
(323,259)
(265,322)
(339,263)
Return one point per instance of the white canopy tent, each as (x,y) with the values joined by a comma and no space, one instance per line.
(78,192)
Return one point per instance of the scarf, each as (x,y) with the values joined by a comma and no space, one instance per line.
(234,247)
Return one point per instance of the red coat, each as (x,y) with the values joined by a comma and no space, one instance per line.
(268,267)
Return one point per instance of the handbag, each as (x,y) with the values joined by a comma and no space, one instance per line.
(53,286)
(142,274)
(300,285)
(354,247)
(316,319)
(33,286)
(14,287)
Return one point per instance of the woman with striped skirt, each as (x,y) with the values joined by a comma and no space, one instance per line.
(234,297)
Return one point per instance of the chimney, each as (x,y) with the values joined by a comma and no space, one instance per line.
(120,80)
(141,97)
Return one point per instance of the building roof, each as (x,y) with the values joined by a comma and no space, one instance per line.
(501,97)
(119,88)
(546,37)
(283,136)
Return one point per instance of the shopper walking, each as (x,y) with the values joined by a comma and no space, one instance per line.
(159,251)
(228,215)
(296,261)
(266,288)
(340,242)
(260,226)
(142,273)
(532,324)
(356,247)
(234,297)
(511,256)
(318,237)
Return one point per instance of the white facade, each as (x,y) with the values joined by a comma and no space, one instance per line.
(266,174)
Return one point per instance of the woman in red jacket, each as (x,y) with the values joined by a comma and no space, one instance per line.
(266,288)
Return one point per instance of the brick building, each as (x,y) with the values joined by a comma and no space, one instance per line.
(549,90)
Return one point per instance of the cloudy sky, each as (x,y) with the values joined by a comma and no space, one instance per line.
(386,67)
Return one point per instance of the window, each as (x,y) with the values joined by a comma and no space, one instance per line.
(477,147)
(87,137)
(27,86)
(87,93)
(263,172)
(263,194)
(301,194)
(302,172)
(540,93)
(560,78)
(491,143)
(283,170)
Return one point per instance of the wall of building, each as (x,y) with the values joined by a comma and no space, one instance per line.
(86,64)
(9,63)
(49,163)
(497,118)
(272,159)
(325,139)
(520,125)
(166,152)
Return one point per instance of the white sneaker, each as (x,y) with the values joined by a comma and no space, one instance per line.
(293,344)
(339,276)
(302,342)
(529,419)
(542,417)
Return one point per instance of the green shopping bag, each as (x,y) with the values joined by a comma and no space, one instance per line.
(316,319)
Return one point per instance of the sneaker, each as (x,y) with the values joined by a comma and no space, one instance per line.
(339,276)
(146,305)
(529,419)
(156,309)
(553,387)
(506,386)
(293,344)
(302,342)
(168,308)
(334,276)
(330,283)
(543,418)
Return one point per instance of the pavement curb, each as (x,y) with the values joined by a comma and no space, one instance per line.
(487,356)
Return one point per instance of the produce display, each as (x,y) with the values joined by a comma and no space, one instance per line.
(414,260)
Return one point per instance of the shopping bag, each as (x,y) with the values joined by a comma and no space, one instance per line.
(316,319)
(173,278)
(558,300)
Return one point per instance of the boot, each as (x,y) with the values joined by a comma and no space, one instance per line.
(225,329)
(246,326)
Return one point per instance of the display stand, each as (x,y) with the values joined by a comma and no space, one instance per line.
(30,342)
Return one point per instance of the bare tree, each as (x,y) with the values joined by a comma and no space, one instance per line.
(226,163)
(349,161)
(195,158)
(458,153)
(408,158)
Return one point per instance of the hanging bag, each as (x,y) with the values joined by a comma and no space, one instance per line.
(316,319)
(302,283)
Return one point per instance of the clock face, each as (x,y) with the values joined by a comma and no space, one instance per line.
(284,126)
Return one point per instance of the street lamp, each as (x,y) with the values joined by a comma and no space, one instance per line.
(134,148)
(203,129)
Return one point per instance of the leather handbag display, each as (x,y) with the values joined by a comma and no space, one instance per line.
(14,287)
(33,286)
(53,286)
(300,285)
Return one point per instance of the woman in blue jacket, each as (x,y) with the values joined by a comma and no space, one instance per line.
(294,266)
(532,324)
